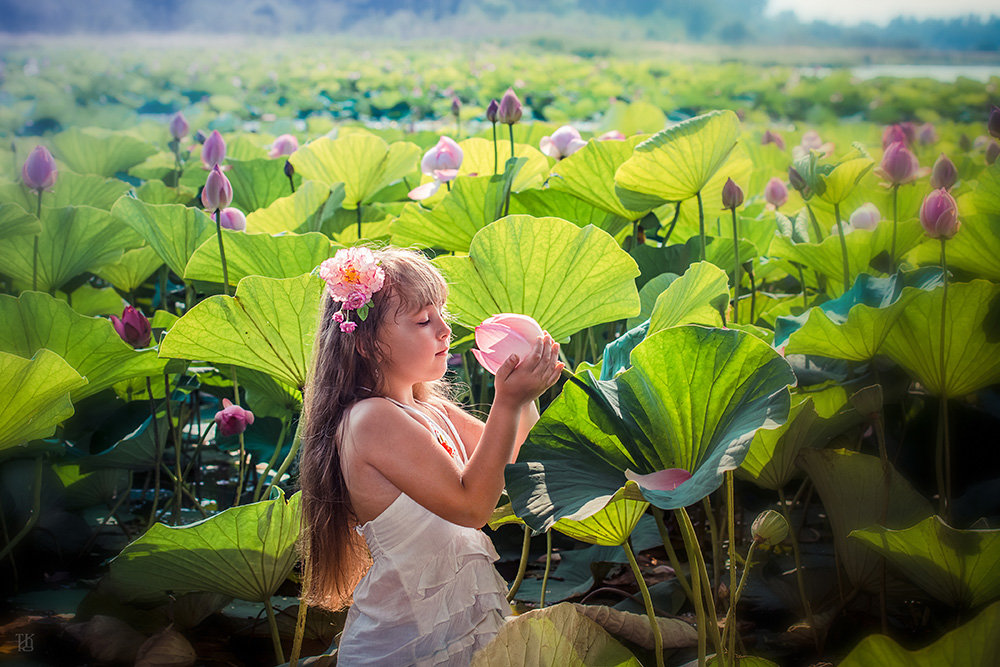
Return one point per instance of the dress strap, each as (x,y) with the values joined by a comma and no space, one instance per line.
(451,427)
(456,446)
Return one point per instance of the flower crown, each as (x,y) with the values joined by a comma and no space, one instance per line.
(352,276)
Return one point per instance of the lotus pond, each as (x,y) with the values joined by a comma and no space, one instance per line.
(779,303)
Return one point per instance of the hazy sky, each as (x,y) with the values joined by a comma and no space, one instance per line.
(880,11)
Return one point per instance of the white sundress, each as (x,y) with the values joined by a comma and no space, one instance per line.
(432,595)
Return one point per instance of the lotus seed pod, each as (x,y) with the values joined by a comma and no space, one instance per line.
(769,528)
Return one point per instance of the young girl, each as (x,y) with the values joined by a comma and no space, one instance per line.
(391,464)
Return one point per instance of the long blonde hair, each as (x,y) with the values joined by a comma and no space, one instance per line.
(344,370)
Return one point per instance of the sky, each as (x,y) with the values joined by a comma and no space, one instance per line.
(881,11)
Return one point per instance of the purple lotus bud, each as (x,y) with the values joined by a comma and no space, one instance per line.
(964,142)
(133,327)
(899,165)
(289,169)
(214,150)
(233,218)
(927,134)
(866,216)
(939,215)
(732,195)
(893,134)
(797,182)
(994,122)
(944,174)
(773,138)
(992,152)
(286,144)
(456,106)
(232,419)
(491,111)
(509,110)
(776,193)
(178,126)
(39,171)
(218,191)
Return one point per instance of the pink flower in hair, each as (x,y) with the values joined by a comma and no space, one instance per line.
(338,316)
(348,327)
(352,271)
(355,301)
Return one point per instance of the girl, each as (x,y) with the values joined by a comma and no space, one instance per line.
(391,464)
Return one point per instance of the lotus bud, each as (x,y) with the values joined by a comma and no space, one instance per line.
(502,335)
(769,528)
(732,195)
(927,134)
(289,169)
(39,170)
(964,142)
(773,138)
(491,111)
(562,143)
(218,191)
(443,160)
(797,182)
(866,216)
(811,140)
(456,106)
(994,123)
(232,419)
(233,218)
(939,215)
(132,327)
(992,152)
(893,134)
(214,150)
(178,126)
(944,174)
(776,192)
(509,111)
(899,165)
(286,144)
(612,135)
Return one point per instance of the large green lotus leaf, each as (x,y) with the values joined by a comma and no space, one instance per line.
(278,256)
(172,230)
(158,192)
(15,221)
(71,189)
(986,196)
(589,174)
(34,395)
(834,187)
(697,297)
(855,489)
(556,204)
(90,345)
(257,183)
(92,150)
(89,300)
(477,159)
(73,240)
(268,397)
(677,163)
(972,346)
(137,450)
(131,269)
(718,222)
(289,213)
(958,567)
(268,326)
(974,248)
(453,222)
(613,523)
(363,162)
(566,277)
(633,118)
(648,295)
(558,635)
(244,552)
(88,489)
(975,643)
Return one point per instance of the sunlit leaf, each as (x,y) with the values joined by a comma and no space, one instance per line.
(71,189)
(613,523)
(257,183)
(15,221)
(92,150)
(453,222)
(697,297)
(556,204)
(172,230)
(589,174)
(278,256)
(834,187)
(288,213)
(131,269)
(34,395)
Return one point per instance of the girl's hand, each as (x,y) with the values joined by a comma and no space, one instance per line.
(521,381)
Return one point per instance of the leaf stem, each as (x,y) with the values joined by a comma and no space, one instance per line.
(548,567)
(691,546)
(496,160)
(523,565)
(730,630)
(300,620)
(895,222)
(222,251)
(701,225)
(275,637)
(737,273)
(675,562)
(34,260)
(843,247)
(944,446)
(648,601)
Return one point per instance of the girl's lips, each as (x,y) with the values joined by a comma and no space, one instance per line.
(445,351)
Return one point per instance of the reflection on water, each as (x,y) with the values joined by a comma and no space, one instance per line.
(942,73)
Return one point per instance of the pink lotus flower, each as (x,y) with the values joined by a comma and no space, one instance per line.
(776,192)
(939,215)
(893,134)
(899,165)
(562,143)
(866,216)
(218,191)
(811,141)
(441,162)
(179,126)
(491,111)
(502,335)
(662,480)
(232,419)
(509,111)
(132,327)
(612,135)
(944,174)
(350,271)
(39,170)
(233,218)
(285,144)
(927,134)
(772,138)
(213,152)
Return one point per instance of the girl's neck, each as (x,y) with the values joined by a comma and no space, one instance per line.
(401,392)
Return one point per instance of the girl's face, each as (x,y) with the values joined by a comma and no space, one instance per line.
(415,345)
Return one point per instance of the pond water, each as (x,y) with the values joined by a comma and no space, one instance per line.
(943,73)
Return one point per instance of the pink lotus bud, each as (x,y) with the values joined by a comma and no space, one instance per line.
(286,144)
(732,195)
(456,106)
(178,126)
(772,138)
(866,216)
(443,160)
(811,140)
(491,111)
(39,171)
(899,165)
(132,327)
(502,335)
(939,215)
(218,191)
(944,174)
(612,135)
(214,150)
(232,419)
(994,123)
(509,110)
(927,134)
(798,182)
(776,192)
(662,480)
(892,134)
(992,152)
(233,218)
(562,143)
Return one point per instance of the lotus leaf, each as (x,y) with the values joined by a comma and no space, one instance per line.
(648,295)
(158,192)
(71,189)
(453,222)
(553,203)
(566,277)
(974,249)
(89,300)
(131,269)
(15,221)
(87,489)
(633,118)
(697,297)
(172,230)
(257,183)
(289,213)
(589,174)
(92,150)
(137,450)
(278,256)
(477,160)
(836,185)
(34,396)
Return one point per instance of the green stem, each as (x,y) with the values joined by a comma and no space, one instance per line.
(701,225)
(275,637)
(799,577)
(34,260)
(548,567)
(802,281)
(163,288)
(815,224)
(243,451)
(300,620)
(673,223)
(272,461)
(6,540)
(739,267)
(36,507)
(522,566)
(731,529)
(895,220)
(843,247)
(178,479)
(716,539)
(496,159)
(672,553)
(691,546)
(359,221)
(753,294)
(648,601)
(944,446)
(734,598)
(296,443)
(510,128)
(222,252)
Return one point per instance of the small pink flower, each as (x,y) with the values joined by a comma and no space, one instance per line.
(509,111)
(662,480)
(811,141)
(772,138)
(502,335)
(132,327)
(233,218)
(776,192)
(443,160)
(899,165)
(732,195)
(562,143)
(893,134)
(213,152)
(939,215)
(612,135)
(348,327)
(927,134)
(350,271)
(355,301)
(866,216)
(218,191)
(944,174)
(338,316)
(39,170)
(286,144)
(178,126)
(232,419)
